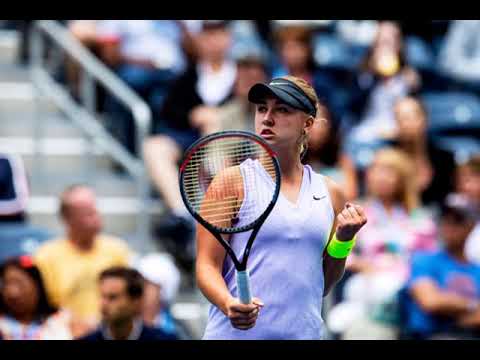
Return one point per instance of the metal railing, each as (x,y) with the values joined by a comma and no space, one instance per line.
(83,115)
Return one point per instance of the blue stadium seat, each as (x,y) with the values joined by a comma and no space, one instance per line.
(330,51)
(362,153)
(453,112)
(461,146)
(20,239)
(418,53)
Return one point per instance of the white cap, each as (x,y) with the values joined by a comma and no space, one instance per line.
(160,269)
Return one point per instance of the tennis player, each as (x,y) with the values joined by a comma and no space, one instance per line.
(299,253)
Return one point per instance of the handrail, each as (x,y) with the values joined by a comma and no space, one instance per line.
(57,32)
(84,116)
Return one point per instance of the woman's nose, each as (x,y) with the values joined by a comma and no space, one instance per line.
(267,118)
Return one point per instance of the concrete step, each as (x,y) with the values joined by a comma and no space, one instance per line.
(16,123)
(19,94)
(58,155)
(9,45)
(14,73)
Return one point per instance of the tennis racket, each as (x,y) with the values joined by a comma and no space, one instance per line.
(219,182)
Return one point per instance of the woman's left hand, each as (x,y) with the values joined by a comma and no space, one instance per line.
(349,221)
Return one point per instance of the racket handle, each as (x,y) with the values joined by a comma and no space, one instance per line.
(243,286)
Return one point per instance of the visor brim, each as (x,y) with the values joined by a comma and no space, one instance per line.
(259,92)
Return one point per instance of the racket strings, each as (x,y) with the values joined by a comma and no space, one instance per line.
(214,184)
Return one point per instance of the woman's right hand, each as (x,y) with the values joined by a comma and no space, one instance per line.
(243,316)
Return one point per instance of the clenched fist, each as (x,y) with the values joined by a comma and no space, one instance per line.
(243,316)
(349,221)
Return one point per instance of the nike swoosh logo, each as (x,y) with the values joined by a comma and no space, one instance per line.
(315,197)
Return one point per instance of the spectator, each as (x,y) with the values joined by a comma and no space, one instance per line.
(147,55)
(162,281)
(25,312)
(210,82)
(14,190)
(460,54)
(396,224)
(70,265)
(121,292)
(433,166)
(325,154)
(294,43)
(396,229)
(384,77)
(468,176)
(17,236)
(237,113)
(443,299)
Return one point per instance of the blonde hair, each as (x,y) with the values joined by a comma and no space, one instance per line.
(400,161)
(312,95)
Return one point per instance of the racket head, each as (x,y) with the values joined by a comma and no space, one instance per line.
(217,159)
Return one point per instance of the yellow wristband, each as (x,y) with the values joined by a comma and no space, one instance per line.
(340,249)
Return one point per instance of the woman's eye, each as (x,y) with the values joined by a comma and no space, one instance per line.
(283,110)
(262,108)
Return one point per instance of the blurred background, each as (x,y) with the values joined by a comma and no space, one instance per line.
(96,114)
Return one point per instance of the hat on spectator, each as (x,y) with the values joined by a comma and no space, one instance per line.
(460,207)
(249,51)
(161,270)
(214,24)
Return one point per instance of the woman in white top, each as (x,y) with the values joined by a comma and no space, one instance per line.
(291,267)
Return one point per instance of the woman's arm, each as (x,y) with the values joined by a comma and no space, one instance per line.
(333,269)
(438,302)
(209,265)
(348,221)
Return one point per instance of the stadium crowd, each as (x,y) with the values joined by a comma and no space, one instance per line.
(402,107)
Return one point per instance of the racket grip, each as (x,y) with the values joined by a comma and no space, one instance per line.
(243,286)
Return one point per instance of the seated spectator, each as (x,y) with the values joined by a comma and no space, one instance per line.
(237,113)
(325,154)
(433,166)
(294,43)
(444,286)
(459,56)
(397,226)
(379,266)
(468,175)
(148,55)
(25,312)
(162,282)
(384,77)
(70,265)
(210,82)
(17,236)
(14,190)
(121,291)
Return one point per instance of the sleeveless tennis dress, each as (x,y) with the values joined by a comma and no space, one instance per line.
(285,263)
